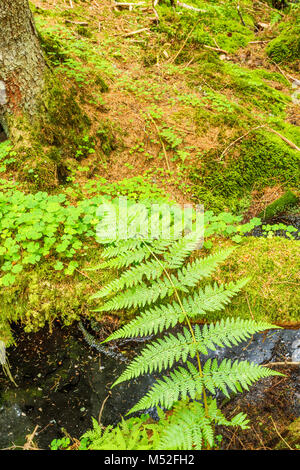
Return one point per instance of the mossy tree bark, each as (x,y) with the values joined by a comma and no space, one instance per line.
(39,115)
(22,64)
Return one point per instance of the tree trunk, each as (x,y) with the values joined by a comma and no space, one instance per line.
(22,64)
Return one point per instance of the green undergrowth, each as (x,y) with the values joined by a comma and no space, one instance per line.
(240,91)
(75,56)
(48,240)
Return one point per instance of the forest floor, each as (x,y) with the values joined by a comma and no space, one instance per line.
(174,99)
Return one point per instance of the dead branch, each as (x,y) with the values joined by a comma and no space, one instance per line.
(184,43)
(29,445)
(259,42)
(278,433)
(102,407)
(154,3)
(290,143)
(161,141)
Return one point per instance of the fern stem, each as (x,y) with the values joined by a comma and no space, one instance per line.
(189,325)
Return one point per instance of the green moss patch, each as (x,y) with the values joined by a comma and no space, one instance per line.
(288,199)
(261,160)
(44,294)
(285,48)
(272,293)
(291,435)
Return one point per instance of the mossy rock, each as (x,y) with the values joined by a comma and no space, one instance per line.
(286,47)
(288,199)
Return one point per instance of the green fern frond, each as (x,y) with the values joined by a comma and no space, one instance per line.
(159,354)
(188,277)
(154,271)
(150,270)
(201,268)
(126,258)
(235,376)
(182,383)
(163,353)
(188,428)
(150,321)
(121,247)
(212,298)
(139,296)
(230,331)
(181,249)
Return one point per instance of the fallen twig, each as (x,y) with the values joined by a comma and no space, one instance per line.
(217,49)
(249,307)
(292,78)
(161,141)
(240,15)
(265,5)
(289,142)
(281,71)
(85,275)
(154,3)
(259,42)
(102,407)
(29,444)
(183,45)
(130,6)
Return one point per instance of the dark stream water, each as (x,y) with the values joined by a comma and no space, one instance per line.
(62,382)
